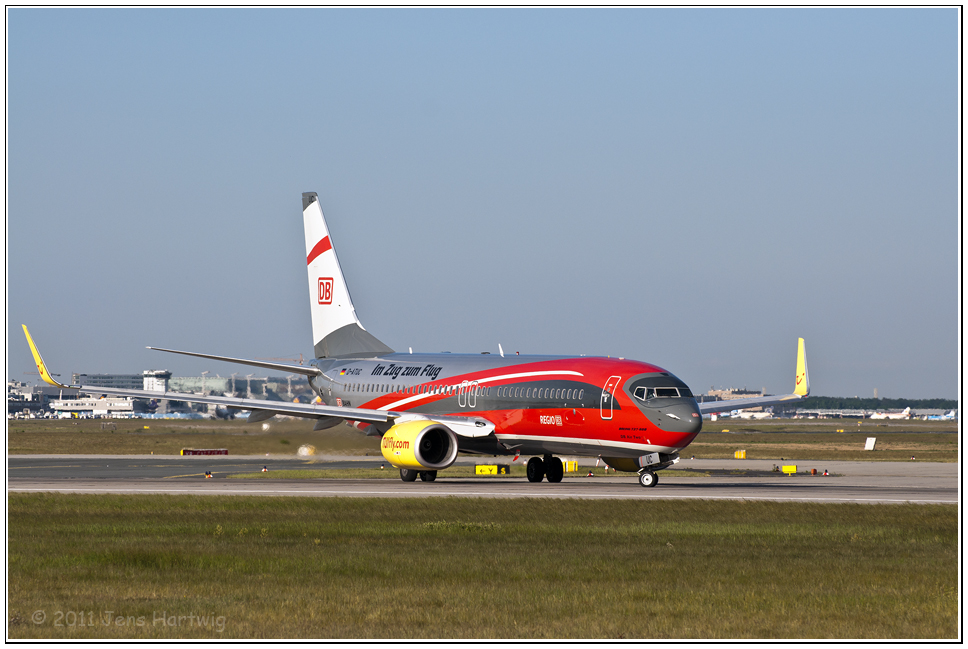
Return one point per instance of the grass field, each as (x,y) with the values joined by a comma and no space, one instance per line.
(802,439)
(890,447)
(85,566)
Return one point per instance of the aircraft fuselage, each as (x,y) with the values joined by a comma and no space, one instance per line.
(538,404)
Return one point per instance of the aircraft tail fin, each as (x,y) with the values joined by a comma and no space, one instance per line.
(337,332)
(39,362)
(803,377)
(801,390)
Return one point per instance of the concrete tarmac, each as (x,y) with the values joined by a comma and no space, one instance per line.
(853,482)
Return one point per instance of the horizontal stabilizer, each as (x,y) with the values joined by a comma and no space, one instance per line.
(305,370)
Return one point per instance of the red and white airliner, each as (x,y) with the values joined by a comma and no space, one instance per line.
(635,416)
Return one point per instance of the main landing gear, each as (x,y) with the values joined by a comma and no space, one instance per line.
(550,466)
(410,475)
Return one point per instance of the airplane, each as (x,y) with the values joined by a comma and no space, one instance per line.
(948,416)
(633,415)
(904,414)
(746,414)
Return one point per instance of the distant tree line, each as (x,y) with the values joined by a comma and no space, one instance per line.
(853,403)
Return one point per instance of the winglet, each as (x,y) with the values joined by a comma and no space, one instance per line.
(41,366)
(803,377)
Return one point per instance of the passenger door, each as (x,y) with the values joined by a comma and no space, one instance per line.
(608,396)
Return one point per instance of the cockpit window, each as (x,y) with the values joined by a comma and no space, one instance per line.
(645,393)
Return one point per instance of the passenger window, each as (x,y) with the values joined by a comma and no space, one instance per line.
(581,393)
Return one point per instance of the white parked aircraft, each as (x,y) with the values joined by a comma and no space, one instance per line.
(904,414)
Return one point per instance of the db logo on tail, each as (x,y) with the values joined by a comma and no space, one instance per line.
(325,290)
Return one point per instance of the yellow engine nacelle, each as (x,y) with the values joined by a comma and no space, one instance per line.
(421,445)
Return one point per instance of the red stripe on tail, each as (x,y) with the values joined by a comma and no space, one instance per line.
(319,249)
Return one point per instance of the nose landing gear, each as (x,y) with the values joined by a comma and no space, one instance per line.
(648,478)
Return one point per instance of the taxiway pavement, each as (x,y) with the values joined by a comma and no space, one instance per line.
(848,482)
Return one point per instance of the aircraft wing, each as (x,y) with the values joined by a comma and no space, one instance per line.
(740,404)
(263,409)
(800,391)
(308,410)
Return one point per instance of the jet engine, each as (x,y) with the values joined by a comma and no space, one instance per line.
(421,445)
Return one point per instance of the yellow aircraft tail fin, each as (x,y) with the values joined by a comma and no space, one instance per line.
(41,366)
(803,377)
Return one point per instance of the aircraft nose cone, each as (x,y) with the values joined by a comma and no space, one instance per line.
(681,417)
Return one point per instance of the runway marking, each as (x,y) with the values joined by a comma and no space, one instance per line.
(225,492)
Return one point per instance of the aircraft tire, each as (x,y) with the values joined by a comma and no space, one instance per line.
(536,469)
(554,469)
(408,475)
(428,476)
(648,479)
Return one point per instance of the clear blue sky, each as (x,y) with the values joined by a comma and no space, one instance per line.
(691,187)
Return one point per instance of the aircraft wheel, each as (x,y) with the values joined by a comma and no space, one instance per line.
(428,476)
(408,475)
(554,469)
(536,469)
(648,479)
